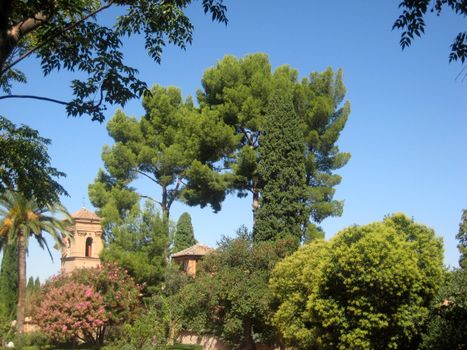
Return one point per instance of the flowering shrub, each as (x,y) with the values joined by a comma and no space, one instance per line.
(72,312)
(81,305)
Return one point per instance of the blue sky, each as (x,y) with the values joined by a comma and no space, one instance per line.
(406,132)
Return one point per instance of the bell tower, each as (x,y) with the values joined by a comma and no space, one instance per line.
(84,249)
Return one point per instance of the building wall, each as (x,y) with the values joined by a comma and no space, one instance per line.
(74,253)
(188,264)
(70,264)
(191,268)
(209,342)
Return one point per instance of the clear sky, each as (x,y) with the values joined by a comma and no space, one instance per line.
(406,132)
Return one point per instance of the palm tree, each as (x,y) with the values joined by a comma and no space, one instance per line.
(21,218)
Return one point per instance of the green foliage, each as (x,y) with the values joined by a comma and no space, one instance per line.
(240,89)
(281,169)
(21,218)
(370,287)
(25,164)
(291,282)
(462,237)
(31,341)
(448,317)
(159,324)
(140,245)
(161,320)
(174,145)
(68,35)
(312,233)
(412,23)
(230,297)
(9,282)
(184,235)
(33,289)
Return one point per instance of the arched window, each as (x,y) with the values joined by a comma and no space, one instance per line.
(88,249)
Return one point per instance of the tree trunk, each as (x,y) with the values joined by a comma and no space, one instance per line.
(21,283)
(255,204)
(249,343)
(5,49)
(165,202)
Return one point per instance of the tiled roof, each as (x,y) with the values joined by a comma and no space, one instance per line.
(84,213)
(197,249)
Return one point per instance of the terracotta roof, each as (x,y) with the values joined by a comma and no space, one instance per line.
(197,249)
(84,213)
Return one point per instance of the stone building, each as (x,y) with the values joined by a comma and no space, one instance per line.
(84,249)
(188,258)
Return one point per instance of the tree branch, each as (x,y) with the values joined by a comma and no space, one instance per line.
(149,177)
(61,32)
(24,27)
(41,98)
(247,137)
(174,192)
(150,198)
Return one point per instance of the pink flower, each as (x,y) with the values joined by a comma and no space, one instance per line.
(89,293)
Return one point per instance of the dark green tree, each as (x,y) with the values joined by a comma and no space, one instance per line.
(230,297)
(30,285)
(25,164)
(140,245)
(281,168)
(412,23)
(37,284)
(174,145)
(70,35)
(184,234)
(448,317)
(9,282)
(32,294)
(462,237)
(239,90)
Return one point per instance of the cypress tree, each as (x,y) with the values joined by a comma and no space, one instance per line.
(9,282)
(37,284)
(30,286)
(281,168)
(462,237)
(184,236)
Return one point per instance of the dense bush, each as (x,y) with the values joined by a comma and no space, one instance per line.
(80,306)
(370,287)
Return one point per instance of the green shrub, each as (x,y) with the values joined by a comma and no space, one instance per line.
(30,341)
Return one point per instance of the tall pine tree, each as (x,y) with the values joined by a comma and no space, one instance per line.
(239,89)
(184,236)
(281,168)
(462,237)
(9,282)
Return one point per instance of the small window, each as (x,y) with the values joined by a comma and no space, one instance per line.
(88,249)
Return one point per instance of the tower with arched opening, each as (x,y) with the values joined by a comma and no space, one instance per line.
(84,249)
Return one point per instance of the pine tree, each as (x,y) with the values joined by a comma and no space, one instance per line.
(184,236)
(140,245)
(9,281)
(282,171)
(462,237)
